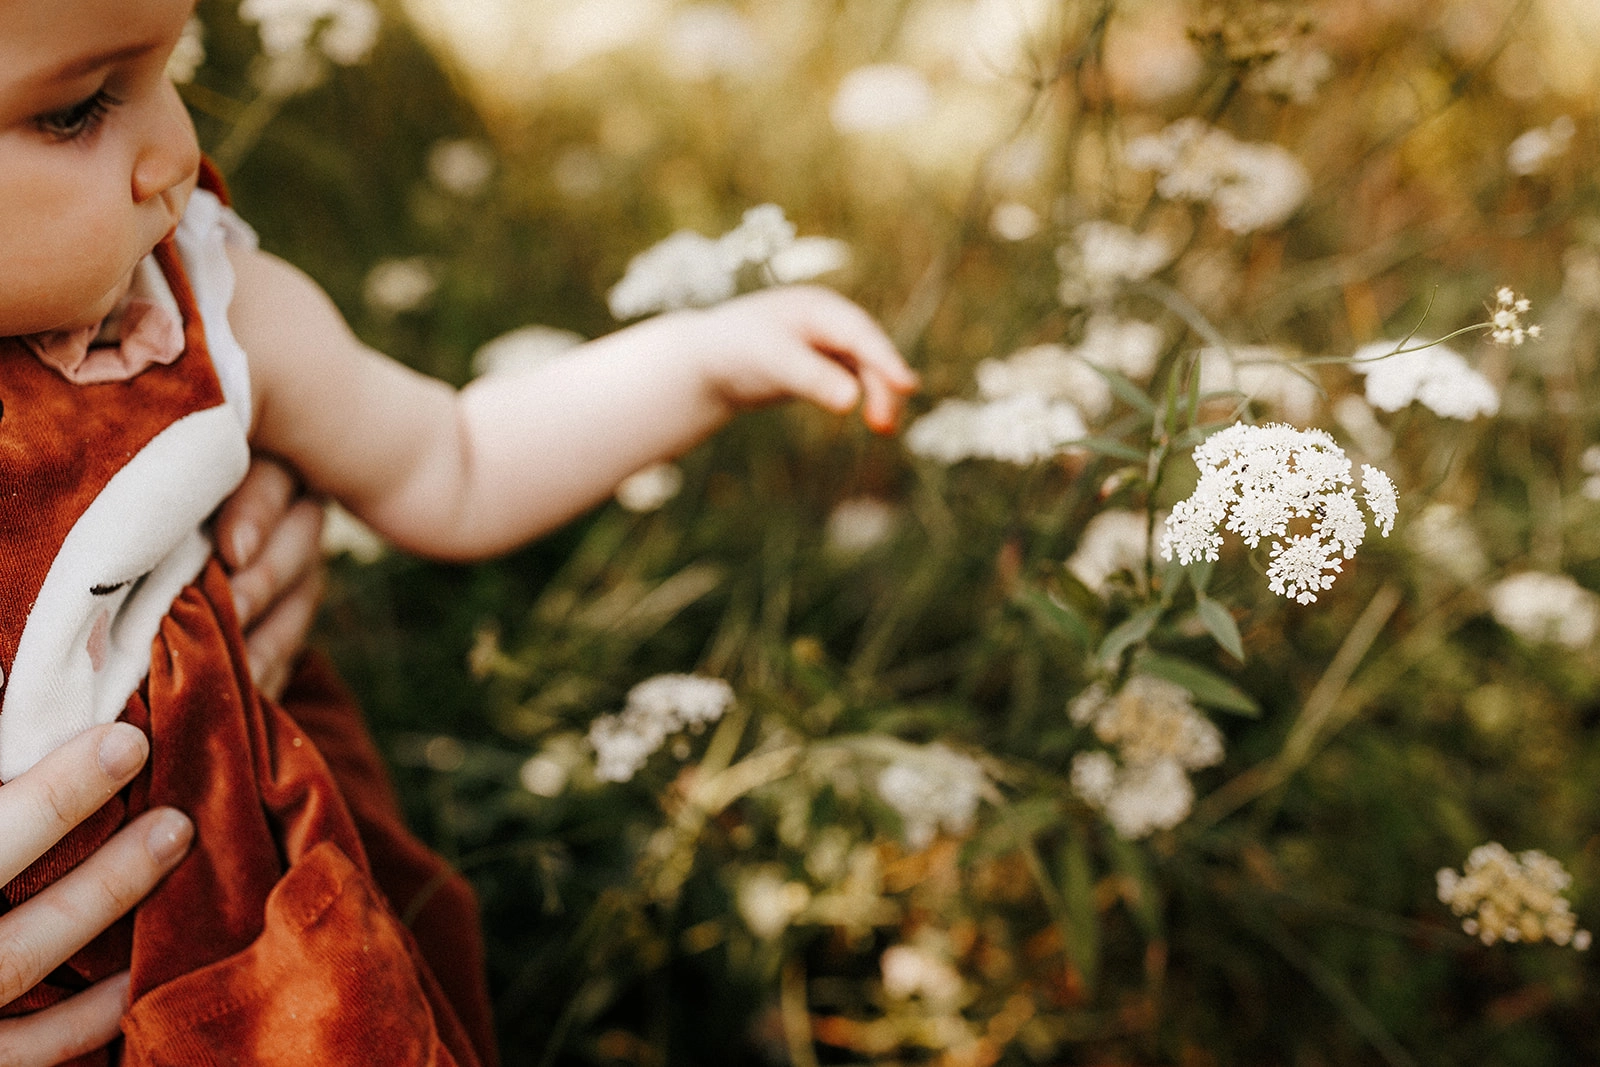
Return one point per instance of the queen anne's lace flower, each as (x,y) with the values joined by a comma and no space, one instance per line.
(1549,608)
(1251,185)
(689,269)
(656,709)
(1502,897)
(1256,481)
(1049,370)
(1159,735)
(1104,255)
(1505,319)
(1430,374)
(1112,542)
(1020,429)
(937,788)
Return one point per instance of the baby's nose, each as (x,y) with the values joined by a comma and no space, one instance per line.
(169,154)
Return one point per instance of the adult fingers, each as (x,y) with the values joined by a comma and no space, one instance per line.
(46,929)
(80,1024)
(291,551)
(274,642)
(67,786)
(250,513)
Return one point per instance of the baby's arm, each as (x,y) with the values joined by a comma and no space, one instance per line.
(462,475)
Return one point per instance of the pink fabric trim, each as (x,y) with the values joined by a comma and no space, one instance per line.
(150,334)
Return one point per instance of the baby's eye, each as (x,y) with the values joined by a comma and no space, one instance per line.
(79,120)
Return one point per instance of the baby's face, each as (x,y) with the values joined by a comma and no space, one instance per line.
(97,154)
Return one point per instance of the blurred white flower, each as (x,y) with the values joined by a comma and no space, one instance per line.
(1104,255)
(1539,147)
(1444,537)
(1546,608)
(910,971)
(1590,463)
(1580,281)
(1050,371)
(806,258)
(189,54)
(1263,373)
(576,33)
(1021,429)
(524,347)
(1296,73)
(687,269)
(1113,541)
(880,96)
(768,902)
(396,286)
(1125,345)
(1252,185)
(344,31)
(1505,319)
(1014,221)
(936,788)
(656,709)
(859,524)
(1434,376)
(1255,480)
(709,40)
(345,535)
(547,772)
(650,488)
(1150,719)
(1136,799)
(1502,897)
(461,166)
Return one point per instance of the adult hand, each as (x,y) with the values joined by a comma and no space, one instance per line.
(269,534)
(37,809)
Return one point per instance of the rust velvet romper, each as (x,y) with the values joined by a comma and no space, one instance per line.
(306,926)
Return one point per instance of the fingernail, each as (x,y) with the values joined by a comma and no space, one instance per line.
(169,837)
(122,751)
(246,539)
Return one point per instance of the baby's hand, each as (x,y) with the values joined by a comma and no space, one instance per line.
(806,342)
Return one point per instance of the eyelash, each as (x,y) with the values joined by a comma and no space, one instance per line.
(80,120)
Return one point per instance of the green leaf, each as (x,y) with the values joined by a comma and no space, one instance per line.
(1075,875)
(1145,903)
(1128,633)
(1059,617)
(1126,389)
(1115,449)
(1207,687)
(1219,623)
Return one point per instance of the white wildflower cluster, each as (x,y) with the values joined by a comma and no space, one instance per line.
(299,36)
(706,41)
(1104,256)
(1021,429)
(461,166)
(1295,74)
(768,902)
(522,348)
(1505,897)
(689,269)
(1160,736)
(1442,535)
(1536,149)
(397,286)
(656,709)
(1505,319)
(936,788)
(1590,463)
(1050,370)
(1252,185)
(1546,608)
(1255,481)
(189,54)
(1114,541)
(650,488)
(1262,373)
(880,96)
(859,524)
(1428,373)
(1129,346)
(913,971)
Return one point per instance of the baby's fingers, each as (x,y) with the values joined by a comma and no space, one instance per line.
(80,1024)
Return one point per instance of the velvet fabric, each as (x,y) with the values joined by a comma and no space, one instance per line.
(279,939)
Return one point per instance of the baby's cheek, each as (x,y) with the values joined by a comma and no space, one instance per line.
(99,639)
